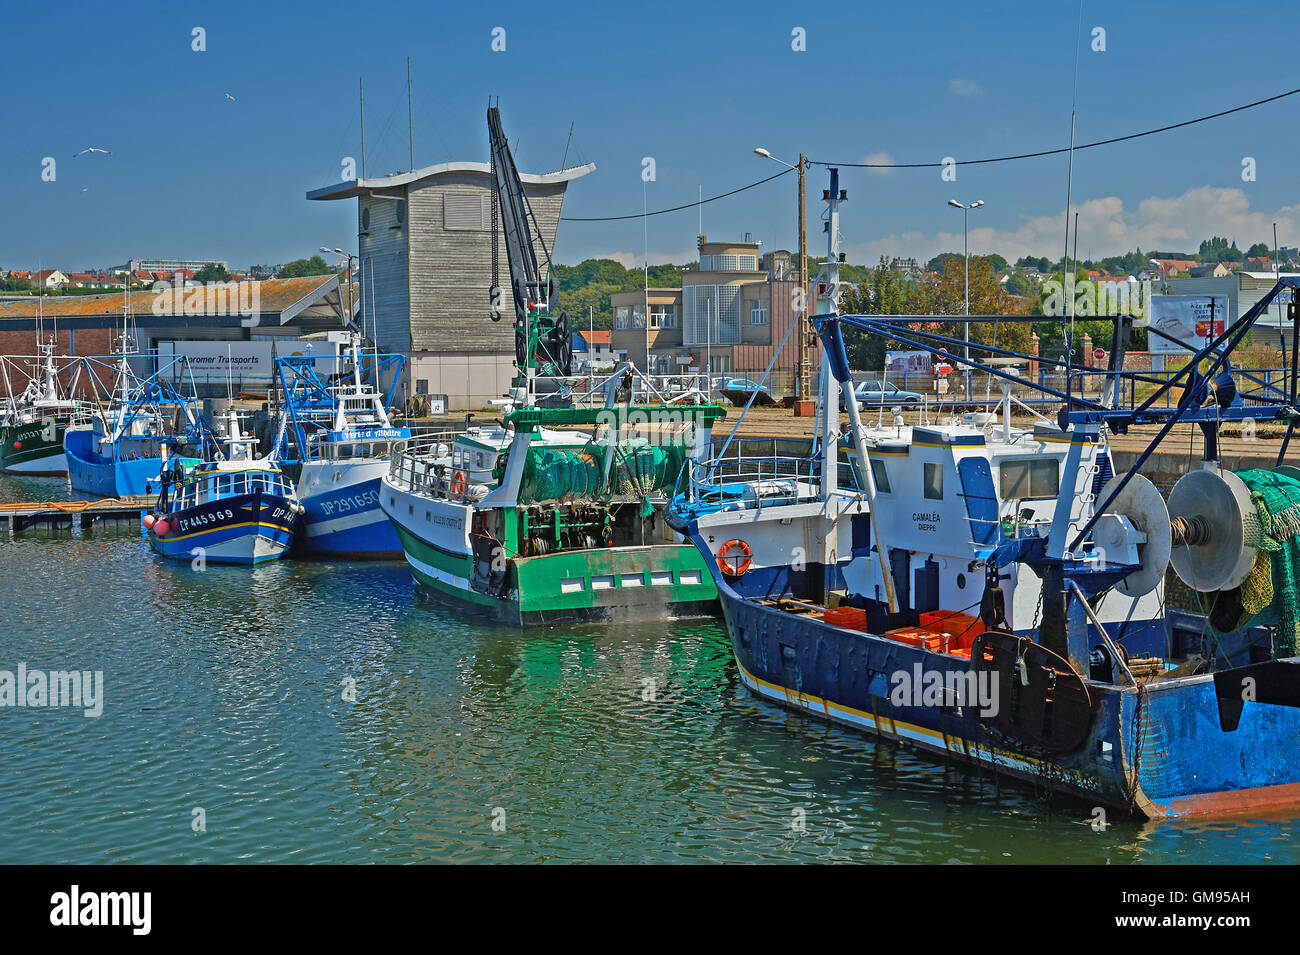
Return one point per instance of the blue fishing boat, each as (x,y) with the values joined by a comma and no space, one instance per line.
(122,445)
(995,595)
(339,441)
(232,508)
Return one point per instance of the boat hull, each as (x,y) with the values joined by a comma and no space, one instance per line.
(650,582)
(35,449)
(1159,752)
(90,472)
(343,517)
(243,529)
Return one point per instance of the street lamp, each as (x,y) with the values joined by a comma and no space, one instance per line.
(965,242)
(802,387)
(347,276)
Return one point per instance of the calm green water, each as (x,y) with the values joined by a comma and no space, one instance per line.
(224,691)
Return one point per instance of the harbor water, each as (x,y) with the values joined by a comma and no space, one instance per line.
(309,711)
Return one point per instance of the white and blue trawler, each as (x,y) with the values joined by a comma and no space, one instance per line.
(231,508)
(995,595)
(339,442)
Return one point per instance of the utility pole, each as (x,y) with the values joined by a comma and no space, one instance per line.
(361,93)
(801,393)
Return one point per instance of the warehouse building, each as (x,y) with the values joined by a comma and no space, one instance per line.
(236,329)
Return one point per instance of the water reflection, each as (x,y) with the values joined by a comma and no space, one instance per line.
(225,690)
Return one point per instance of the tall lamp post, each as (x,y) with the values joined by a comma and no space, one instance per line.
(347,276)
(965,244)
(802,387)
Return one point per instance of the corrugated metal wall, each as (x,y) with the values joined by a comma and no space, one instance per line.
(451,269)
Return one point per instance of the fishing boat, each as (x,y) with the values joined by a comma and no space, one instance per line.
(339,442)
(123,445)
(33,421)
(536,522)
(231,508)
(995,596)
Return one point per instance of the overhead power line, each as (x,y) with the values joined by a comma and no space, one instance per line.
(936,165)
(1062,149)
(689,205)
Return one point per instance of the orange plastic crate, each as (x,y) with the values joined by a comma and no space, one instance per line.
(851,618)
(917,637)
(962,629)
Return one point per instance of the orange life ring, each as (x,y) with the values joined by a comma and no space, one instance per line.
(458,484)
(728,554)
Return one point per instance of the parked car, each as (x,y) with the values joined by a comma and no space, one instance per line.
(873,391)
(738,390)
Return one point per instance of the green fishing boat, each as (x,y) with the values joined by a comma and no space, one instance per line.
(33,421)
(534,522)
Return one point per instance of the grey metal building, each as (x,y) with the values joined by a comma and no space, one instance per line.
(425,267)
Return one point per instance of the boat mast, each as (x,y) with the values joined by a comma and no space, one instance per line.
(835,361)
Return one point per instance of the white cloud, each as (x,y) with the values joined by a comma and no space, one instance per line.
(964,87)
(1106,227)
(636,260)
(880,157)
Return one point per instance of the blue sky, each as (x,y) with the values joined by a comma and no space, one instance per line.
(194,173)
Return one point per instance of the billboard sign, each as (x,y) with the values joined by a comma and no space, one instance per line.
(211,361)
(1187,318)
(907,363)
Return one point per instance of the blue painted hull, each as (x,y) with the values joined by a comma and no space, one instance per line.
(243,529)
(90,472)
(348,522)
(1160,752)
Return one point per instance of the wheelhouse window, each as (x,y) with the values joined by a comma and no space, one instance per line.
(880,474)
(621,316)
(933,482)
(1029,477)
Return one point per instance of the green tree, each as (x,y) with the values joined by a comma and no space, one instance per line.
(1258,249)
(212,273)
(946,261)
(300,267)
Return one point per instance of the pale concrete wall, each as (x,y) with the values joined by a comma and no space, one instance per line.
(470,380)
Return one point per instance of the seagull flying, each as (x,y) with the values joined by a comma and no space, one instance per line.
(228,96)
(91,149)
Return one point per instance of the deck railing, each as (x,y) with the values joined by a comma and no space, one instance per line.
(755,460)
(413,466)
